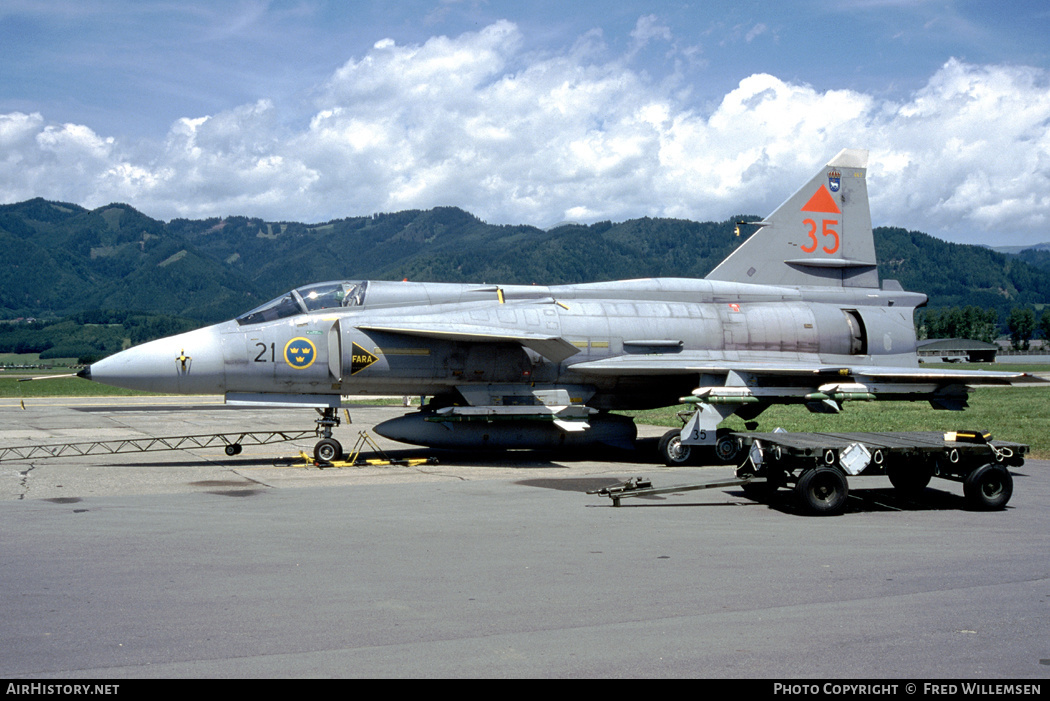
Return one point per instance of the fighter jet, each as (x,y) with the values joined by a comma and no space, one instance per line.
(796,314)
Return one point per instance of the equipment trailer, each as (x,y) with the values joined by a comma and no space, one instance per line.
(816,466)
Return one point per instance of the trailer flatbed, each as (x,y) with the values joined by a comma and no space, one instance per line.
(817,466)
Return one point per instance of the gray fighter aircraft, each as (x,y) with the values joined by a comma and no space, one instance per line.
(795,314)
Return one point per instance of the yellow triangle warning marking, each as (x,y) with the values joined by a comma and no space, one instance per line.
(360,359)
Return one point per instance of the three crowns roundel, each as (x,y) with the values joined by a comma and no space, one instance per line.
(300,353)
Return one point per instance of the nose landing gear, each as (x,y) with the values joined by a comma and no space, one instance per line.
(328,449)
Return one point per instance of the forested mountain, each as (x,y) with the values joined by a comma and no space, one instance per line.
(1037,257)
(59,259)
(953,274)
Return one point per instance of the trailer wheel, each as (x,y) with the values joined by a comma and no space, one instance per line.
(233,449)
(988,488)
(910,480)
(765,491)
(822,491)
(671,450)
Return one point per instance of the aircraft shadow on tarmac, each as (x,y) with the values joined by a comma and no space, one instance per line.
(876,500)
(861,499)
(644,453)
(208,462)
(517,459)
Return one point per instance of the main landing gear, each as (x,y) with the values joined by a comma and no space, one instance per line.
(674,453)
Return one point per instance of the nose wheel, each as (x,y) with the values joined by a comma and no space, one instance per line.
(327,449)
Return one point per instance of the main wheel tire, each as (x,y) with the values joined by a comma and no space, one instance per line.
(727,448)
(671,450)
(822,491)
(327,450)
(988,488)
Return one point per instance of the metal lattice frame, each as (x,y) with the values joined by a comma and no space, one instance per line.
(149,444)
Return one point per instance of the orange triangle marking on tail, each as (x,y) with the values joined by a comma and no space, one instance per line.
(821,201)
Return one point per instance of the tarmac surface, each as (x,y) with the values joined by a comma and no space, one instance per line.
(195,564)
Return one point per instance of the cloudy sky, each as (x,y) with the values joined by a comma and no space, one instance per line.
(530,112)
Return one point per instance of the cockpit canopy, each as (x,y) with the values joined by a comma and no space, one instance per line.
(310,298)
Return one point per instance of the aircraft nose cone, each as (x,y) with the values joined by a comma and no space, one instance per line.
(189,363)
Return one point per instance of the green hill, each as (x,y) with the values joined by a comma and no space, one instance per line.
(959,275)
(58,259)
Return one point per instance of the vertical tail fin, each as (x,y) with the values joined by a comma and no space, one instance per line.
(820,236)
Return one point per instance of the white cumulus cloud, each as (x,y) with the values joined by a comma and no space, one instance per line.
(477,122)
